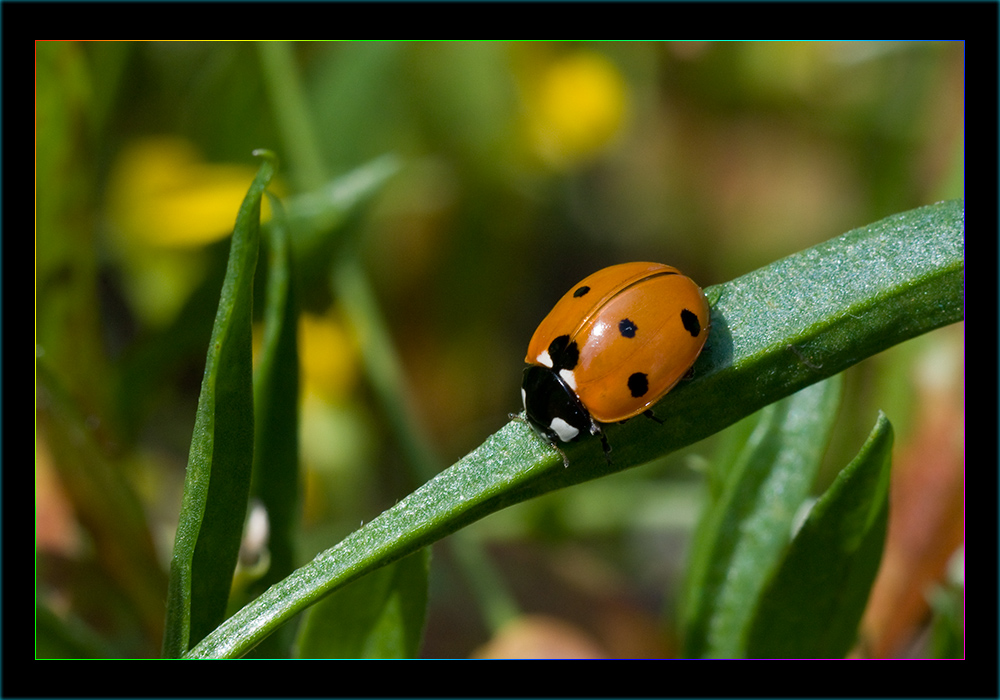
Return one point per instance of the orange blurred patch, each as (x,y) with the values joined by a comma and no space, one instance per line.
(926,514)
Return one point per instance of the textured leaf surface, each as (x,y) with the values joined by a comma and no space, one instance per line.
(219,465)
(774,331)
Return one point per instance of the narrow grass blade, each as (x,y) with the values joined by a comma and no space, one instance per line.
(218,472)
(276,483)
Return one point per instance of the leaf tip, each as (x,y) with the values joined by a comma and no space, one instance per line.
(267,154)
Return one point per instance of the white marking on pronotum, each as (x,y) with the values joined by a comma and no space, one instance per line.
(564,430)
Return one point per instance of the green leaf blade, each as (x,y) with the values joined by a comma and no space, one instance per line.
(743,533)
(820,311)
(380,616)
(812,606)
(276,483)
(742,369)
(219,466)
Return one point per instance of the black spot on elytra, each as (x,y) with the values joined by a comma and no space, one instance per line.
(691,323)
(580,291)
(627,328)
(564,354)
(638,384)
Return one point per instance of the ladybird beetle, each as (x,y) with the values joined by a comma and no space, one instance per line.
(611,348)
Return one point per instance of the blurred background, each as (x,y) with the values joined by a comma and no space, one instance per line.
(517,169)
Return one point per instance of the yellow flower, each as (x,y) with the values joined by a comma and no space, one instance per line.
(328,356)
(162,194)
(577,105)
(165,203)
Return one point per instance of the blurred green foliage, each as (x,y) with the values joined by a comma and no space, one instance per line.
(522,168)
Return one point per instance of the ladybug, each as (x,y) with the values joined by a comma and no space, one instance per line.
(611,348)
